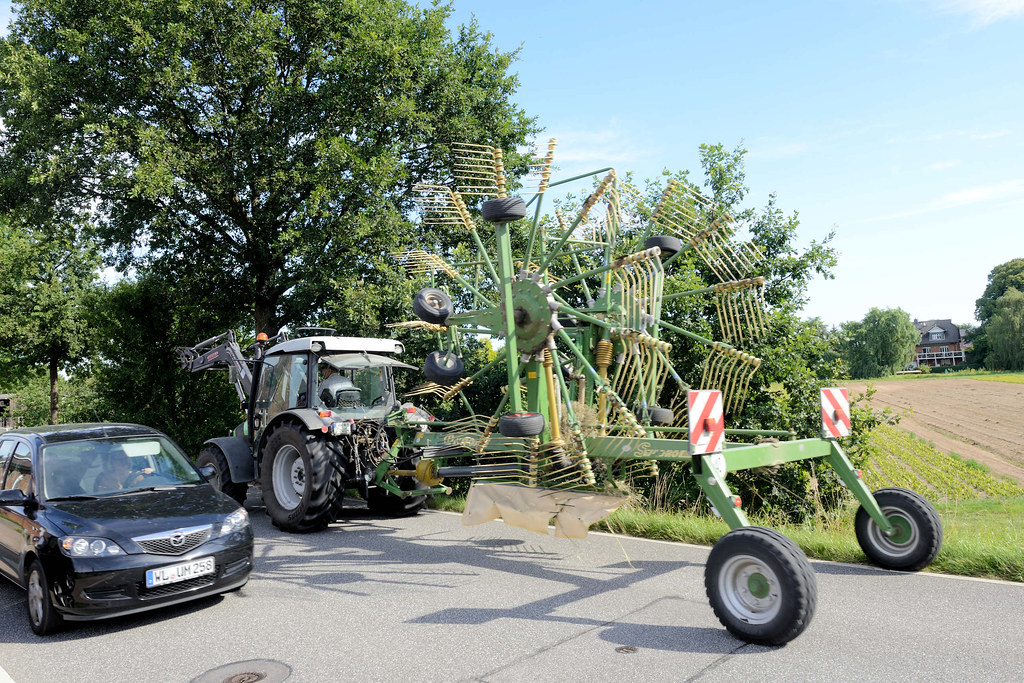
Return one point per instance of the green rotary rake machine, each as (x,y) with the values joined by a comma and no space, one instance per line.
(573,306)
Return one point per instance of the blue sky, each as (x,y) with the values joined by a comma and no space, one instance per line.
(897,123)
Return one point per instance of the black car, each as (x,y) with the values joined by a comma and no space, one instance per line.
(101,520)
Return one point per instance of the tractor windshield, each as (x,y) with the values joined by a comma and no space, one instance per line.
(356,385)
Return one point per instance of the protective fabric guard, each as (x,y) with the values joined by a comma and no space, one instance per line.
(531,508)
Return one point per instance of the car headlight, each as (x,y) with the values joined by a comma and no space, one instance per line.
(89,546)
(236,521)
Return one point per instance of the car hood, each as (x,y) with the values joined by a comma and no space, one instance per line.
(123,517)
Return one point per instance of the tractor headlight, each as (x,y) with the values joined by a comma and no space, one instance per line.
(339,428)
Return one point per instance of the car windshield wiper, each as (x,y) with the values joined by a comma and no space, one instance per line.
(73,496)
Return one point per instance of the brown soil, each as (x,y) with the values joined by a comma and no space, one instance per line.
(982,421)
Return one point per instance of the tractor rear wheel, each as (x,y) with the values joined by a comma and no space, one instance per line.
(761,586)
(916,536)
(300,482)
(382,502)
(212,456)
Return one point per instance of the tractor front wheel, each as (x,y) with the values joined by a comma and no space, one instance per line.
(915,539)
(211,456)
(300,482)
(761,586)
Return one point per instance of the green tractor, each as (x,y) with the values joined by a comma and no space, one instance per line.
(317,409)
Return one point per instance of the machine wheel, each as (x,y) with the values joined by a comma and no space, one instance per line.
(503,210)
(661,416)
(214,457)
(382,502)
(761,586)
(443,368)
(432,306)
(300,482)
(43,617)
(521,424)
(917,536)
(669,245)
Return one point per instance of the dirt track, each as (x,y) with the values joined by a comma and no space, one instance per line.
(983,421)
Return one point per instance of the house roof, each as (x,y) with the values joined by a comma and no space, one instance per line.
(947,326)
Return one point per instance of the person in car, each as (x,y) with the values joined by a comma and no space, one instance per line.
(119,474)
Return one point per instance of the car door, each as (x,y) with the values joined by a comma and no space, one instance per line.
(15,527)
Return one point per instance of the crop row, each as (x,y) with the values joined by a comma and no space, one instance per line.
(897,458)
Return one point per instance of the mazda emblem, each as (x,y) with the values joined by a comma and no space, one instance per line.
(178,539)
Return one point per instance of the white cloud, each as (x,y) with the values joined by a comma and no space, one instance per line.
(983,12)
(1010,191)
(943,165)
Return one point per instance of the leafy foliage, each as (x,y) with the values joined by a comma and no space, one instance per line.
(1002,278)
(880,344)
(263,152)
(1006,332)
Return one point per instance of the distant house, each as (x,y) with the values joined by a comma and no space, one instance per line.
(941,343)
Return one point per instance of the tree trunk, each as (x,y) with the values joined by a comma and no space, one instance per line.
(53,390)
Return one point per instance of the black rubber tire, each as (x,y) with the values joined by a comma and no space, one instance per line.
(920,537)
(443,368)
(312,509)
(503,210)
(668,244)
(382,502)
(214,457)
(432,305)
(43,616)
(521,424)
(660,416)
(759,559)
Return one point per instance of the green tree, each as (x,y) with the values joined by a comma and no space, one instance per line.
(261,151)
(45,274)
(880,344)
(1006,332)
(1002,278)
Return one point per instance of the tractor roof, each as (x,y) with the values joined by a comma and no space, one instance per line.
(339,345)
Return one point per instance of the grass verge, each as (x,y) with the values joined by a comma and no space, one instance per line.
(982,538)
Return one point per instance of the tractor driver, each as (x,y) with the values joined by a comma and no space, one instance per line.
(337,391)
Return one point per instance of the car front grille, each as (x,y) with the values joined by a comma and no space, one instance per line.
(174,588)
(175,542)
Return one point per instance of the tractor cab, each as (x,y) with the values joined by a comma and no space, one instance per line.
(321,377)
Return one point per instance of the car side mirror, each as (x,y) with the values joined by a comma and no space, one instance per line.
(13,497)
(208,472)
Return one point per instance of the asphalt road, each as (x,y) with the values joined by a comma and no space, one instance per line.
(428,599)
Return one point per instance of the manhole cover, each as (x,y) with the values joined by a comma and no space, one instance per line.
(251,671)
(625,650)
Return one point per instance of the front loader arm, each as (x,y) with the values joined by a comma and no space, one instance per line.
(220,353)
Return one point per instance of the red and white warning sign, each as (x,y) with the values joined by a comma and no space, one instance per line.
(707,429)
(835,413)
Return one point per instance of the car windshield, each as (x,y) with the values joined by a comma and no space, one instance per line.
(99,467)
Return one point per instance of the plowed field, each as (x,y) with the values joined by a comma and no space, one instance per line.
(983,421)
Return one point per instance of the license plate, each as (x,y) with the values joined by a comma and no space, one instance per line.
(179,572)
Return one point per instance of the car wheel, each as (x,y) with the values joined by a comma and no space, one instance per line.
(43,617)
(300,480)
(761,586)
(211,456)
(917,531)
